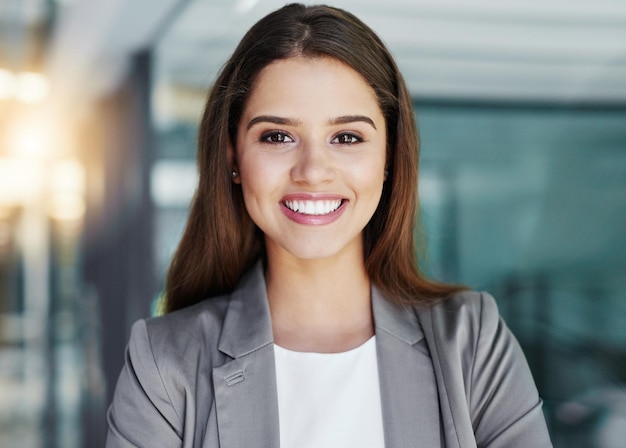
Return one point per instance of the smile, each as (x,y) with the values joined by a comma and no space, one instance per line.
(316,208)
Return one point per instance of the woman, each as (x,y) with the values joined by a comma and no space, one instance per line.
(296,314)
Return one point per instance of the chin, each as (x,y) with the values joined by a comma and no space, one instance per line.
(318,251)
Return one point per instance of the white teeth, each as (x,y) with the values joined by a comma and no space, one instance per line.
(313,207)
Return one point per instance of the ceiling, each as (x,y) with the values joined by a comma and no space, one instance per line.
(550,50)
(536,50)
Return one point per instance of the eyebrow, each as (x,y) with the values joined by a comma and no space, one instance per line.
(272,119)
(351,119)
(345,119)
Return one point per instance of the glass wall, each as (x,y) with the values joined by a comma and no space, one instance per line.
(529,204)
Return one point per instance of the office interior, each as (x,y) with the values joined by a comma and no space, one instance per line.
(521,108)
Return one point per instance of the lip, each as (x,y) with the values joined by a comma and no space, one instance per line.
(305,219)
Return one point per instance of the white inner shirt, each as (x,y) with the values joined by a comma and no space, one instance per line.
(329,400)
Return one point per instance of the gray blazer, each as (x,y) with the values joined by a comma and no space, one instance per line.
(204,377)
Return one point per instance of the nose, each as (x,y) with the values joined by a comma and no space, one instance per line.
(314,164)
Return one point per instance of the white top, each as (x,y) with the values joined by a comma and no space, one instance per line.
(329,400)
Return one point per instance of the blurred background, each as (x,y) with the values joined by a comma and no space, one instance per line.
(522,112)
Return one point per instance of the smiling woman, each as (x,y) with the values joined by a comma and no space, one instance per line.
(311,178)
(296,313)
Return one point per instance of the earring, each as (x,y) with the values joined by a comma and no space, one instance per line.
(234,174)
(386,174)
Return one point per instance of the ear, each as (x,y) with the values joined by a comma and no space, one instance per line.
(232,163)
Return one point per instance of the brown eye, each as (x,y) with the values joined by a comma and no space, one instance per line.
(347,138)
(276,137)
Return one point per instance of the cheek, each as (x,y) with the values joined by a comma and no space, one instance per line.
(258,182)
(252,199)
(254,175)
(370,174)
(252,188)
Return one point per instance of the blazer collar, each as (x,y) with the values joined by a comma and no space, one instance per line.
(400,322)
(247,325)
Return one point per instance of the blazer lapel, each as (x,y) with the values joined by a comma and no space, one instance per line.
(444,349)
(408,390)
(245,388)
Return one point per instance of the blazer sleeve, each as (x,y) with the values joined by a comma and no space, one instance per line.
(487,395)
(142,414)
(505,407)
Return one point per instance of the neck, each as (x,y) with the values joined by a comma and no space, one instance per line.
(319,305)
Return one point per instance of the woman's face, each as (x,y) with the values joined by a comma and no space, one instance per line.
(311,152)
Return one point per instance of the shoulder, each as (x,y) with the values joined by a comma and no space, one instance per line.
(474,347)
(463,328)
(491,395)
(171,356)
(190,324)
(167,361)
(180,344)
(183,332)
(464,311)
(471,302)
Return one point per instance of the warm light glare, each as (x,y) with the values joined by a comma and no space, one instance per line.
(67,176)
(67,207)
(31,87)
(29,139)
(67,188)
(7,84)
(21,181)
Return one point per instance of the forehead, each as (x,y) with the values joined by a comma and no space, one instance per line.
(301,84)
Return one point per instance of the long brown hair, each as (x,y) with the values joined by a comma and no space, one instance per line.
(221,242)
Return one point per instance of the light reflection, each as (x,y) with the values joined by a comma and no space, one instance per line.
(21,181)
(25,181)
(30,135)
(25,87)
(31,87)
(7,84)
(67,207)
(67,176)
(67,190)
